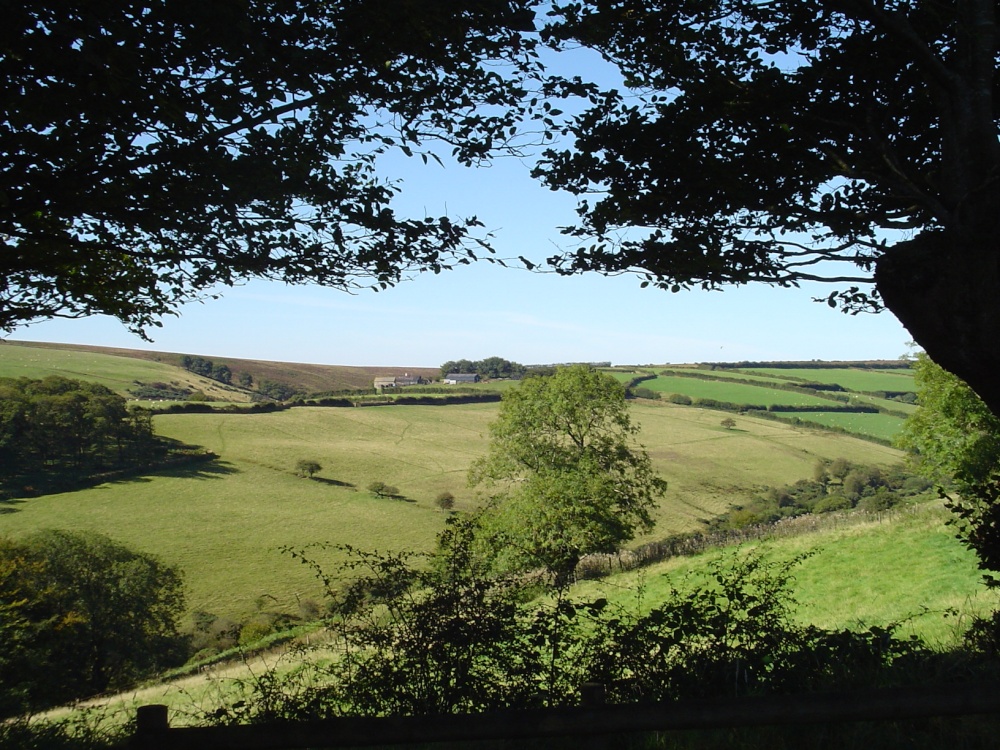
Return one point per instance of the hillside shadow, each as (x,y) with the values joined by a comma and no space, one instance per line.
(23,487)
(204,470)
(333,482)
(215,469)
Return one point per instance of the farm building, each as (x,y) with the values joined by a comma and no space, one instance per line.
(454,378)
(397,382)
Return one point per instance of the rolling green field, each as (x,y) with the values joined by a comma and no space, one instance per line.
(883,426)
(737,393)
(721,374)
(850,378)
(627,377)
(224,523)
(307,378)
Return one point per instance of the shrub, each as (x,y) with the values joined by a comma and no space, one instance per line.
(647,393)
(679,398)
(831,503)
(381,489)
(253,632)
(445,500)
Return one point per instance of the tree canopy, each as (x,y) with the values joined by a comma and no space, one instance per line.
(155,150)
(81,613)
(565,473)
(852,142)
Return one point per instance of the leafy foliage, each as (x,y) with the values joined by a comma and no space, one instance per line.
(381,489)
(447,638)
(96,614)
(156,150)
(445,500)
(783,142)
(566,474)
(954,437)
(61,425)
(746,121)
(207,368)
(307,467)
(839,485)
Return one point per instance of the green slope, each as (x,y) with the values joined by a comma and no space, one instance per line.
(224,523)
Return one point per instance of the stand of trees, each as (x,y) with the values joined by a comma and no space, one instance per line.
(60,425)
(491,367)
(955,441)
(154,151)
(207,368)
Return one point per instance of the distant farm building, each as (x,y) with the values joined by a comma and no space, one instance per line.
(399,381)
(454,378)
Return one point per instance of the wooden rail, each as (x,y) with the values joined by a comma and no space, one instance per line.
(154,733)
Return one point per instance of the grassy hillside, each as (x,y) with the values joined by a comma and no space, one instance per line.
(118,372)
(905,567)
(223,524)
(308,378)
(736,393)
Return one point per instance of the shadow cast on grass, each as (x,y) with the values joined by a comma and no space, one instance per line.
(333,482)
(214,469)
(7,506)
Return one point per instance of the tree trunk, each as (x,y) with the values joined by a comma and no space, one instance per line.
(944,286)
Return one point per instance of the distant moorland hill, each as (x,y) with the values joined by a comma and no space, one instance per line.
(307,378)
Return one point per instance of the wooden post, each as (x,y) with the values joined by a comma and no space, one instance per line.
(151,719)
(151,726)
(594,695)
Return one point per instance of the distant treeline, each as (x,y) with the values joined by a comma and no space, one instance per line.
(208,369)
(492,368)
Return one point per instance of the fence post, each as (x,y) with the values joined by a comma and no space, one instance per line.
(592,695)
(151,725)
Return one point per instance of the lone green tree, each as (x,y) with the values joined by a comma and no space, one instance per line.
(564,472)
(846,141)
(306,467)
(955,440)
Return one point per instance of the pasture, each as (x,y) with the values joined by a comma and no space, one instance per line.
(736,393)
(853,379)
(722,374)
(884,426)
(224,523)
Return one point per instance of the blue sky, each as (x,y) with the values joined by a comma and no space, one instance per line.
(484,310)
